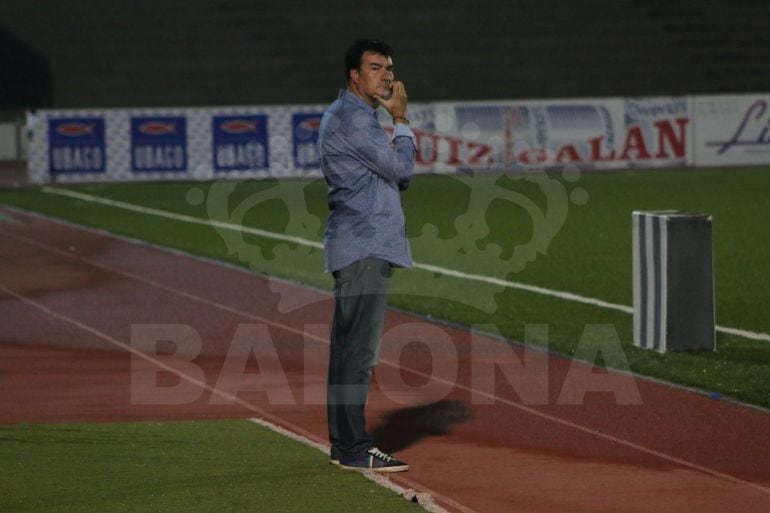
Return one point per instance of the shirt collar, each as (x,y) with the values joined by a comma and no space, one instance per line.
(349,97)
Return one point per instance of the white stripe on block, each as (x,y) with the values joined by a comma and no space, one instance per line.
(663,281)
(636,271)
(652,281)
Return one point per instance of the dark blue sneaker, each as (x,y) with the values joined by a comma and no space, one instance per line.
(334,456)
(373,459)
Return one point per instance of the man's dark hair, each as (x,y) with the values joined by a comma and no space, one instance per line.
(359,48)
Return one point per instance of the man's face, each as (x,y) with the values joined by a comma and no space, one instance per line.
(373,77)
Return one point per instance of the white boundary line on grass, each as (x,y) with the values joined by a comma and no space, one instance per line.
(324,340)
(425,499)
(425,267)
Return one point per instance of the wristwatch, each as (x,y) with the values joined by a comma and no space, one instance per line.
(402,119)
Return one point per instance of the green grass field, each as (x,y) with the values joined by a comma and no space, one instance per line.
(206,466)
(569,233)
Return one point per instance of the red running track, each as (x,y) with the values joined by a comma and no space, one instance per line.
(81,312)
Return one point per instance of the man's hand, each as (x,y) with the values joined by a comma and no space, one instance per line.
(396,104)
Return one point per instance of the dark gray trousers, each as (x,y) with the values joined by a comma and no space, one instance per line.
(360,298)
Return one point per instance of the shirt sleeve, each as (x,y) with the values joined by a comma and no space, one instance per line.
(402,130)
(392,161)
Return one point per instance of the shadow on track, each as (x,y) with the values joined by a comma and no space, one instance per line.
(401,428)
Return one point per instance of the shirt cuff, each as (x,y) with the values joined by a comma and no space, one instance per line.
(402,130)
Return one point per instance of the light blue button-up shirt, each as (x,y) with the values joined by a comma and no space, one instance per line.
(365,172)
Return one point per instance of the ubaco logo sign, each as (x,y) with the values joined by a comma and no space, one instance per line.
(76,145)
(240,143)
(158,144)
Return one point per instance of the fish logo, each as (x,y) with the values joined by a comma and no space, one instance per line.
(239,126)
(306,129)
(75,129)
(311,125)
(157,128)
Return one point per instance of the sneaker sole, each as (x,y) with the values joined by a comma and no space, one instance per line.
(334,462)
(399,468)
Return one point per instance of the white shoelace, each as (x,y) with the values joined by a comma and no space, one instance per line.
(381,455)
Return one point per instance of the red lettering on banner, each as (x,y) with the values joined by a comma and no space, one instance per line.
(666,134)
(428,149)
(568,154)
(672,141)
(454,151)
(596,150)
(421,139)
(635,142)
(482,150)
(533,156)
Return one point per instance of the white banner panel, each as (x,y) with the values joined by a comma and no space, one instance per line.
(658,132)
(524,135)
(583,133)
(732,130)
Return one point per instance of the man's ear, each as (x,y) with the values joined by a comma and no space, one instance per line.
(354,76)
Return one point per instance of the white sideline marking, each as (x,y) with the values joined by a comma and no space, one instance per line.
(425,267)
(273,422)
(424,500)
(290,329)
(523,286)
(180,217)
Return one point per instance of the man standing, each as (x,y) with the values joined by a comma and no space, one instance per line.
(365,238)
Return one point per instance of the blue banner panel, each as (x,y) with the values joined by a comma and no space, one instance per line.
(304,129)
(240,143)
(158,144)
(76,145)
